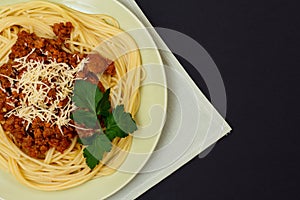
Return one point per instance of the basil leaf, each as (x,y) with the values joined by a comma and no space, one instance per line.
(104,105)
(119,123)
(98,97)
(94,152)
(86,95)
(86,118)
(86,140)
(90,160)
(124,120)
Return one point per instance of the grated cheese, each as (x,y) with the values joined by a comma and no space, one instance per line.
(60,76)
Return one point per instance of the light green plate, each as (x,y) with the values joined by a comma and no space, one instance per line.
(151,116)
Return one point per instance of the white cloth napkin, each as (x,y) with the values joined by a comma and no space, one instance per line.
(182,138)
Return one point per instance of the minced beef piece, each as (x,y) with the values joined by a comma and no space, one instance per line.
(98,64)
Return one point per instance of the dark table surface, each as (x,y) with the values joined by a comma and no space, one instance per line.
(255,46)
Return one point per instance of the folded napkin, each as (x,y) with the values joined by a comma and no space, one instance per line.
(182,138)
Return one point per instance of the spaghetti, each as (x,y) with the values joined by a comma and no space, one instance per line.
(101,33)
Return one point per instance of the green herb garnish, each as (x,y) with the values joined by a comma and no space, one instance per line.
(119,123)
(86,95)
(94,152)
(103,107)
(94,105)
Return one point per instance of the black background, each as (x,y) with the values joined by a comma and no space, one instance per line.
(255,46)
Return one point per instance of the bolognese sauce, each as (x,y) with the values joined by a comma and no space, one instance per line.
(36,136)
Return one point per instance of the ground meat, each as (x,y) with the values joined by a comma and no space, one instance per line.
(110,70)
(44,48)
(39,137)
(36,138)
(101,87)
(98,64)
(63,31)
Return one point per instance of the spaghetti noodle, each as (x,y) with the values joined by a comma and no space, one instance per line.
(59,171)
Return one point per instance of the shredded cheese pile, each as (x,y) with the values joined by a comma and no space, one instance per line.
(35,101)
